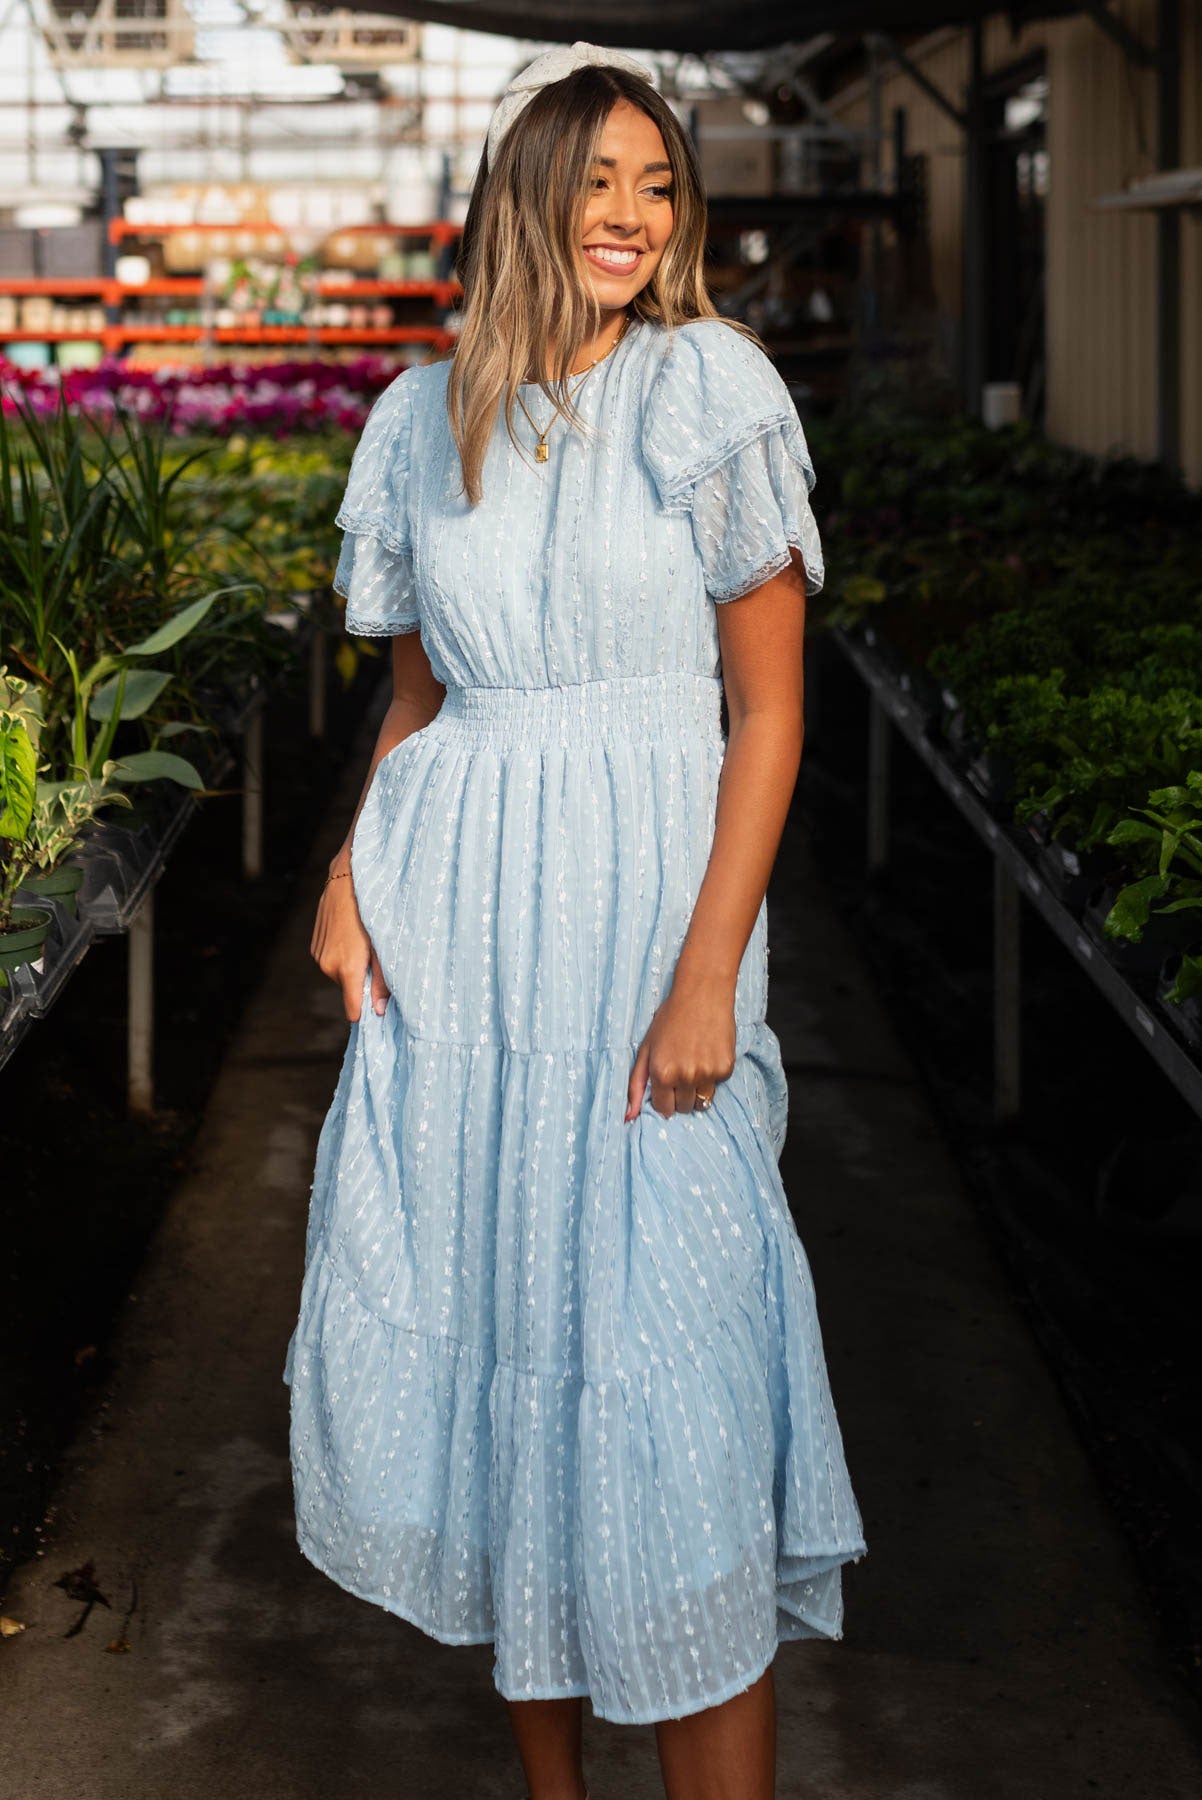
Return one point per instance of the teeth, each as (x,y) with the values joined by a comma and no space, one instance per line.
(621,259)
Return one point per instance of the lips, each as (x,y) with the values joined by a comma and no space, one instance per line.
(614,260)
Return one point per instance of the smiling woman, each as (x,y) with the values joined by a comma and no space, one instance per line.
(557,1378)
(549,283)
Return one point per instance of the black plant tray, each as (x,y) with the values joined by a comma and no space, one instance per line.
(1161,935)
(35,986)
(1074,875)
(1184,1015)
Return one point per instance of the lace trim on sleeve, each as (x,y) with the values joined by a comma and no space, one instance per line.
(378,585)
(751,511)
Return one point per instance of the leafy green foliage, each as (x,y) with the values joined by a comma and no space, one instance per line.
(18,774)
(1057,600)
(109,536)
(1167,834)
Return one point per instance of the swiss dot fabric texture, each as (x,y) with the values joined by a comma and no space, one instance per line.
(557,1380)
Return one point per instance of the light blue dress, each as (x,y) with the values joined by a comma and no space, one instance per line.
(557,1382)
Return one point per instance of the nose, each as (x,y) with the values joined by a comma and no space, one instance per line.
(622,213)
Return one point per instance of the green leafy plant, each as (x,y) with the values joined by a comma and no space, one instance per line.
(102,539)
(1081,757)
(59,536)
(1168,835)
(40,821)
(18,784)
(114,689)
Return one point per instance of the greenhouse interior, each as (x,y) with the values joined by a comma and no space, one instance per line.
(965,245)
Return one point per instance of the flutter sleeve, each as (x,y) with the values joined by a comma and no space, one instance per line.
(723,442)
(375,564)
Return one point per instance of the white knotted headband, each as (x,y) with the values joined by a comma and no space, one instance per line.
(553,66)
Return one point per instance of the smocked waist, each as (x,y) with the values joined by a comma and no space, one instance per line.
(671,704)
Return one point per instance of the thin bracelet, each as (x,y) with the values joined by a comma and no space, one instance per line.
(341,876)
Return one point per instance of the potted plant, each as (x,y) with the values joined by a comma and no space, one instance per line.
(22,930)
(61,809)
(1163,906)
(1180,989)
(40,824)
(115,689)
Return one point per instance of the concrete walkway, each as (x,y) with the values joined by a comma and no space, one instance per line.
(997,1643)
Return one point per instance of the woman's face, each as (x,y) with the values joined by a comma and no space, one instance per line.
(628,211)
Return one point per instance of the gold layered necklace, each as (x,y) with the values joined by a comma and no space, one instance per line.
(541,452)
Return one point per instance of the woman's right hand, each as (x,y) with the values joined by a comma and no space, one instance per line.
(341,947)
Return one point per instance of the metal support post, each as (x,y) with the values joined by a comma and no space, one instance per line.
(252,793)
(879,753)
(1168,239)
(318,670)
(1007,994)
(976,229)
(140,1009)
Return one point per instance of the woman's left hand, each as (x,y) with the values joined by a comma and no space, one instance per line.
(688,1049)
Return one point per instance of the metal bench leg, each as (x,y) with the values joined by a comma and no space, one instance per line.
(1007,995)
(879,754)
(140,1008)
(252,794)
(318,676)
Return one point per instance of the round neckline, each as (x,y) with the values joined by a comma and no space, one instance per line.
(632,331)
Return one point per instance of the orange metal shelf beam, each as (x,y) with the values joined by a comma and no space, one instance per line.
(278,334)
(114,335)
(442,291)
(66,284)
(190,285)
(112,293)
(442,232)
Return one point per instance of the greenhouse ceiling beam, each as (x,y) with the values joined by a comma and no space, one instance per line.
(705,26)
(889,46)
(820,112)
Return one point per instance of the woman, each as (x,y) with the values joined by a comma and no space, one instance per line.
(557,1381)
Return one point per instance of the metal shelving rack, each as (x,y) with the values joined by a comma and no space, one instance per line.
(1015,877)
(117,333)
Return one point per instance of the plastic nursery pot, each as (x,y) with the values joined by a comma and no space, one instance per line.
(923,689)
(23,940)
(959,739)
(138,817)
(62,884)
(1038,828)
(1073,875)
(992,776)
(1186,1015)
(1162,933)
(883,648)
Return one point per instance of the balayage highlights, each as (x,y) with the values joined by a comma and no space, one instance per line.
(521,263)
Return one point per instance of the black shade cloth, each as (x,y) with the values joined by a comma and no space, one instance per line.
(701,25)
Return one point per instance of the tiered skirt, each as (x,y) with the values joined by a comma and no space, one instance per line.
(557,1380)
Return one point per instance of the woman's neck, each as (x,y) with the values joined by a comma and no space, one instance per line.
(613,323)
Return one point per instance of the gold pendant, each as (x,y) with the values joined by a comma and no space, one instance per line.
(541,452)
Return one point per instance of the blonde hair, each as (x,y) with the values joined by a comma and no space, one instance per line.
(519,259)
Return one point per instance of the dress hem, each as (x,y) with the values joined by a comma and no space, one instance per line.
(309,1552)
(737,1684)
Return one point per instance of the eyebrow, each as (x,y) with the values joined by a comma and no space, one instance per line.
(611,162)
